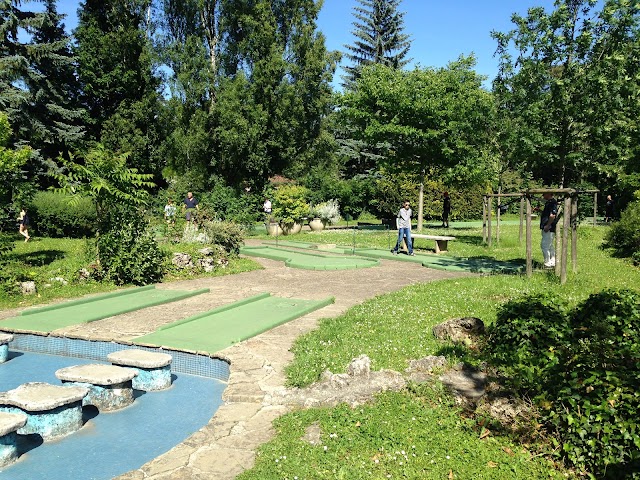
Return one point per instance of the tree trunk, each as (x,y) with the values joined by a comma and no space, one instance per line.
(421,202)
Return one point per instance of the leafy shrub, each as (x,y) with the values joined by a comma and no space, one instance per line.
(289,203)
(225,203)
(128,253)
(624,235)
(55,215)
(584,374)
(328,211)
(228,235)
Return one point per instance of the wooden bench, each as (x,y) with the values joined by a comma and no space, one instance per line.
(441,240)
(154,368)
(52,411)
(110,387)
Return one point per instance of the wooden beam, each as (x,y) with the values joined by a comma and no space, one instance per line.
(484,218)
(489,209)
(521,219)
(566,227)
(574,234)
(595,208)
(534,191)
(529,254)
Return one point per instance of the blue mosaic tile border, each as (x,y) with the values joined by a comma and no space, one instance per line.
(183,362)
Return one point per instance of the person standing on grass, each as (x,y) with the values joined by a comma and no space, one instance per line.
(23,224)
(446,209)
(190,204)
(548,221)
(266,208)
(403,221)
(170,212)
(609,209)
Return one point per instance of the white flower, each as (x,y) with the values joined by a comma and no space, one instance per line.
(448,457)
(325,448)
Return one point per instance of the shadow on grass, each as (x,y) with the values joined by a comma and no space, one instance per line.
(481,264)
(39,258)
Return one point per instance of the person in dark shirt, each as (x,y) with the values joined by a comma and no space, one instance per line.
(23,221)
(548,221)
(609,209)
(446,209)
(190,204)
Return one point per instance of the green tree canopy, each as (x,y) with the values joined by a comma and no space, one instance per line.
(426,118)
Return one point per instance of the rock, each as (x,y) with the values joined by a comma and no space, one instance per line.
(59,279)
(459,329)
(206,251)
(312,434)
(182,260)
(426,364)
(84,274)
(222,262)
(360,367)
(208,264)
(28,288)
(339,380)
(466,385)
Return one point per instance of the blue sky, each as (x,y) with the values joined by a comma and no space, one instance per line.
(441,30)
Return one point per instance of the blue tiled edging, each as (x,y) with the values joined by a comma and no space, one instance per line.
(183,362)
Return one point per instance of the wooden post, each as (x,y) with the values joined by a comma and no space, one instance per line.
(529,255)
(484,219)
(489,208)
(521,219)
(421,202)
(498,221)
(566,226)
(595,208)
(558,240)
(574,233)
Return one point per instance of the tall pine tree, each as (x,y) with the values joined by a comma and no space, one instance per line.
(37,84)
(379,38)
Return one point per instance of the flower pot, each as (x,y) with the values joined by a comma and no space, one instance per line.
(291,229)
(273,229)
(316,225)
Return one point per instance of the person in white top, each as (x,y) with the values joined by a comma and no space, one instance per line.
(266,208)
(404,228)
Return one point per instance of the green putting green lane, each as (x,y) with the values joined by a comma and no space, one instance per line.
(310,261)
(453,264)
(319,247)
(84,310)
(217,329)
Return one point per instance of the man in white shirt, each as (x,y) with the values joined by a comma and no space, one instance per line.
(404,228)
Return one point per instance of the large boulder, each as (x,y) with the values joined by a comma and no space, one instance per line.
(28,288)
(182,260)
(459,329)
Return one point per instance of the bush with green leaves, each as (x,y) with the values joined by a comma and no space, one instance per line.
(228,235)
(289,205)
(56,215)
(582,368)
(129,254)
(328,212)
(624,235)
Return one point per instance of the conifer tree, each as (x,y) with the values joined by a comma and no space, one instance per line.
(37,79)
(379,38)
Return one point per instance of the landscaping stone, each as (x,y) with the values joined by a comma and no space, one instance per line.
(59,280)
(28,288)
(182,260)
(459,329)
(84,274)
(466,385)
(426,364)
(360,367)
(208,264)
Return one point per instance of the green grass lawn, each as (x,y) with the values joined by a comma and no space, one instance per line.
(395,328)
(42,259)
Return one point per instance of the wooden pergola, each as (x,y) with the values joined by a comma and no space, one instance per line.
(568,212)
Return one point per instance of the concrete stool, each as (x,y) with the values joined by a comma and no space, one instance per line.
(5,338)
(52,411)
(109,386)
(9,423)
(154,369)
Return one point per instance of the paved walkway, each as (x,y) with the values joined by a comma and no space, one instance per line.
(226,445)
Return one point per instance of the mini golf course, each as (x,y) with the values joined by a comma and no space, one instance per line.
(310,261)
(219,328)
(84,310)
(439,262)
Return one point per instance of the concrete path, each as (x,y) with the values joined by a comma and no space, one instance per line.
(226,445)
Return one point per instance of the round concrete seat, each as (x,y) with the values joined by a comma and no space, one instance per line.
(5,338)
(52,411)
(9,423)
(109,386)
(154,368)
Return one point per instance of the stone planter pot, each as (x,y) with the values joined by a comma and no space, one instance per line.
(291,229)
(273,229)
(316,225)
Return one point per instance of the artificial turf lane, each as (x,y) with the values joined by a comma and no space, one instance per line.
(53,317)
(217,329)
(453,264)
(310,261)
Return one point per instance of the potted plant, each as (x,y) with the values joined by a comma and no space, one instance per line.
(327,213)
(290,207)
(315,224)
